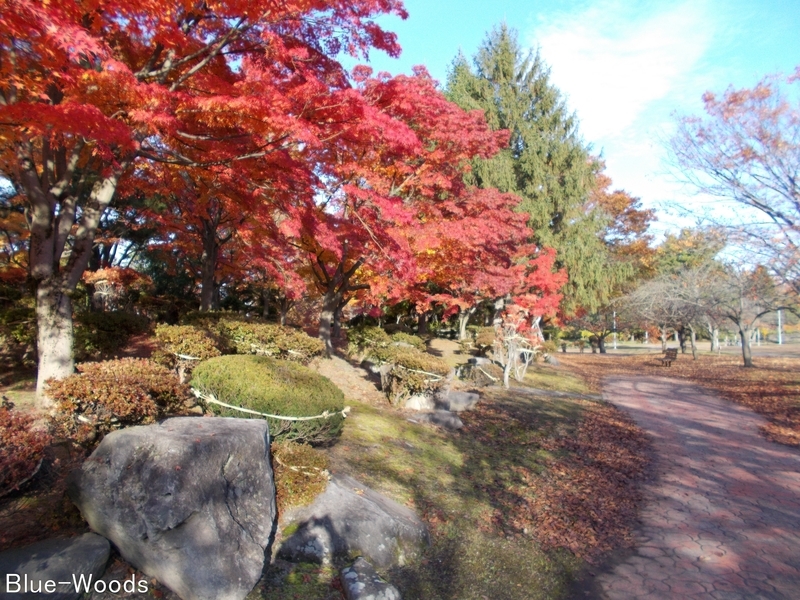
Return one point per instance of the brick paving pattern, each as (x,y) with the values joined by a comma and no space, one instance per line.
(721,517)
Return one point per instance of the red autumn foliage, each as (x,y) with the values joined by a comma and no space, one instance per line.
(586,496)
(112,394)
(22,446)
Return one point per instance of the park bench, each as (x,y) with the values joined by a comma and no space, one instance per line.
(670,354)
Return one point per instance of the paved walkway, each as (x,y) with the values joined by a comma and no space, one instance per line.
(721,517)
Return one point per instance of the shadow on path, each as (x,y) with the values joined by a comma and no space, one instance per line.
(721,516)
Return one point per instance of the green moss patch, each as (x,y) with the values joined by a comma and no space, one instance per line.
(301,474)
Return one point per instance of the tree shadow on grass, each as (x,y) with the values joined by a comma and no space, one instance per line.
(470,487)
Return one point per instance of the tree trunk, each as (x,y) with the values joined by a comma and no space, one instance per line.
(52,217)
(510,354)
(208,266)
(681,335)
(422,323)
(601,344)
(337,323)
(463,321)
(713,333)
(693,341)
(329,305)
(285,306)
(747,355)
(499,307)
(264,303)
(54,339)
(663,338)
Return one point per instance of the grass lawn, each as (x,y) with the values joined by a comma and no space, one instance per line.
(518,502)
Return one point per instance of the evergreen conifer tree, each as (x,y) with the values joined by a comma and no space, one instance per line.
(546,162)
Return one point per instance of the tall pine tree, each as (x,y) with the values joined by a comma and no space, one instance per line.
(546,163)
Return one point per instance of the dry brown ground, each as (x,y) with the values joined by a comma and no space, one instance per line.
(771,388)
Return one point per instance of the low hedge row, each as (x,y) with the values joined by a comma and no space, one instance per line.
(365,338)
(411,370)
(277,387)
(113,394)
(257,337)
(209,334)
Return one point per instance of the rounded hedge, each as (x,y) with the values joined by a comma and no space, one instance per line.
(273,386)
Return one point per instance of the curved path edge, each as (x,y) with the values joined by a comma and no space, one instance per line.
(721,515)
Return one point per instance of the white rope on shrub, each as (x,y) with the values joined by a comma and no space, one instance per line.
(489,376)
(325,415)
(438,377)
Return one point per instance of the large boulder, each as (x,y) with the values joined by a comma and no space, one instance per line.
(350,519)
(58,569)
(420,402)
(190,501)
(441,418)
(456,401)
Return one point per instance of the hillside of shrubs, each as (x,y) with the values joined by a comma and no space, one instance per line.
(220,363)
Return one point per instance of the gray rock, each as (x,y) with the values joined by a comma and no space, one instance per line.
(420,402)
(442,418)
(361,582)
(455,401)
(479,361)
(57,560)
(350,519)
(551,359)
(190,501)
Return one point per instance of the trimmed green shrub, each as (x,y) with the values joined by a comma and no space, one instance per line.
(412,340)
(100,334)
(392,328)
(301,473)
(277,387)
(186,340)
(484,339)
(412,372)
(21,448)
(257,337)
(113,394)
(207,318)
(363,338)
(482,375)
(548,347)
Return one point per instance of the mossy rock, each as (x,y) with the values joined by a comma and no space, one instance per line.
(277,387)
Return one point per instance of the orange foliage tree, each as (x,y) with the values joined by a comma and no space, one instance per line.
(92,94)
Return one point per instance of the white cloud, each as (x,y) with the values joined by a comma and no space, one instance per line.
(625,68)
(614,63)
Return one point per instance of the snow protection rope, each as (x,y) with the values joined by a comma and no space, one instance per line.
(325,415)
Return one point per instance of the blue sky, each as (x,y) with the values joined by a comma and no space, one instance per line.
(626,67)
